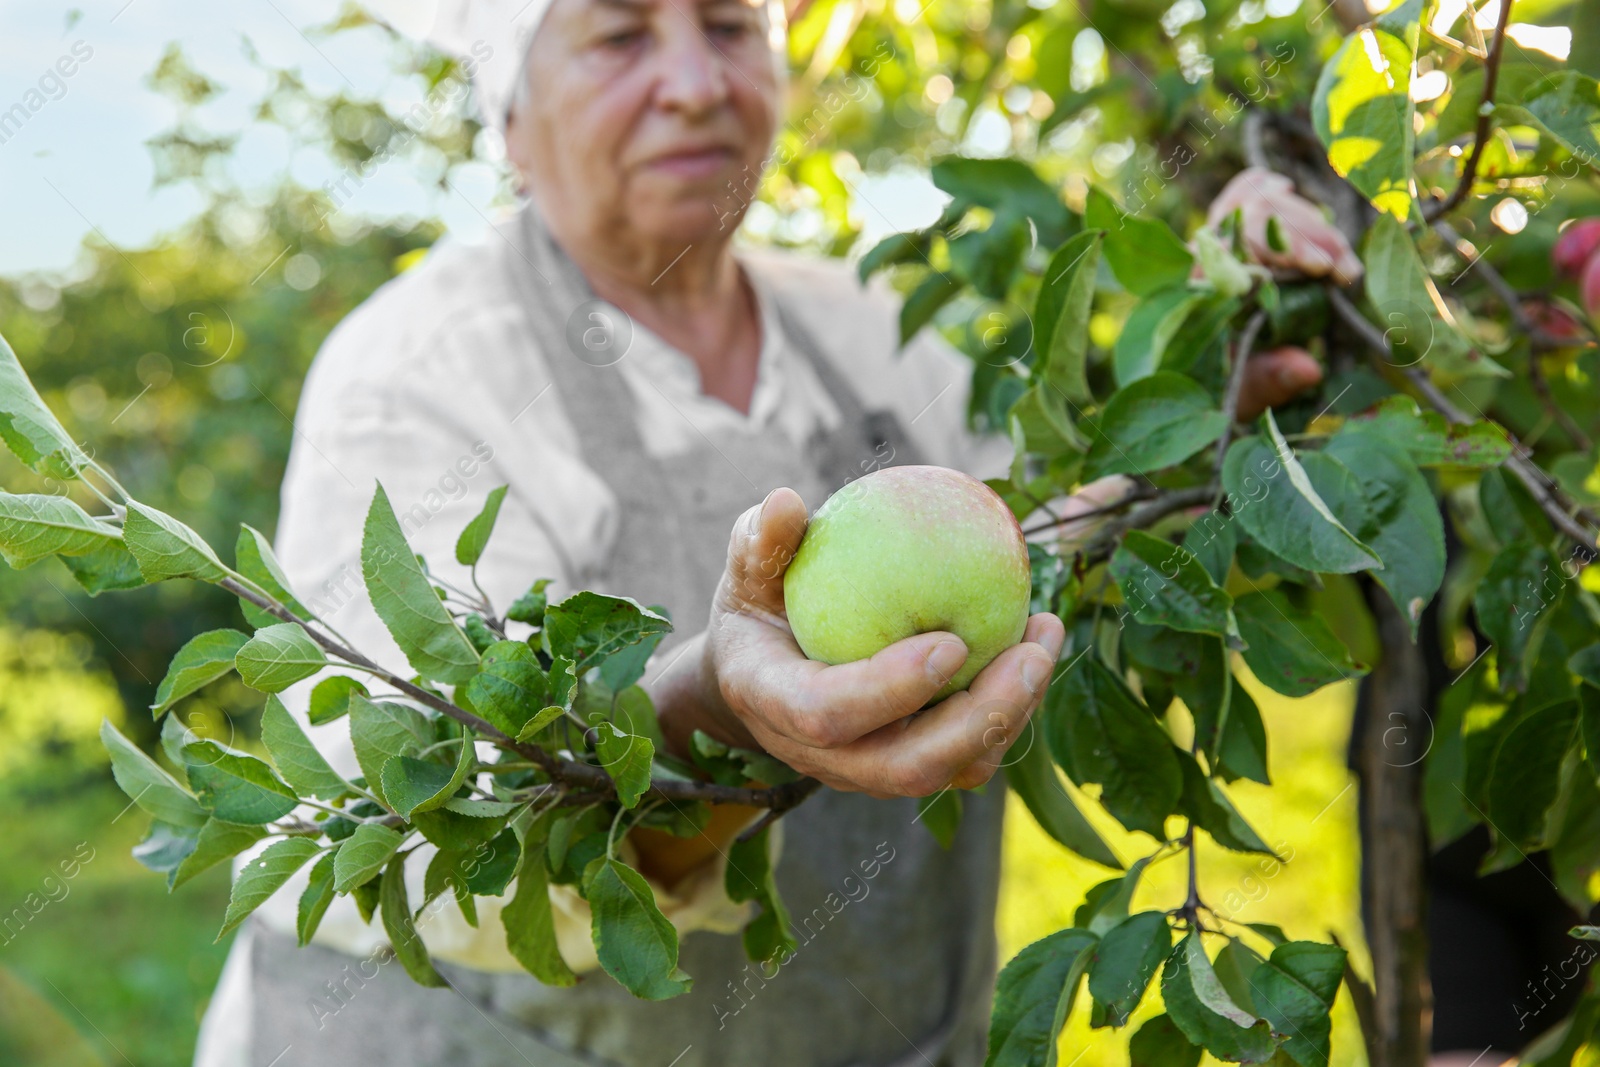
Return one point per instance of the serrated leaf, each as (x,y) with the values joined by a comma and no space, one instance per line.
(1163,584)
(461,825)
(923,302)
(164,849)
(1154,423)
(530,924)
(1276,503)
(34,526)
(1202,1009)
(279,656)
(201,661)
(146,784)
(1513,603)
(749,876)
(330,699)
(109,568)
(218,840)
(493,867)
(1159,1043)
(1033,777)
(314,899)
(1100,733)
(253,557)
(363,854)
(1362,112)
(415,785)
(165,548)
(1151,325)
(635,943)
(475,538)
(1145,254)
(1127,958)
(627,758)
(1106,904)
(297,759)
(29,428)
(1294,990)
(587,627)
(1289,649)
(263,876)
(1033,997)
(380,731)
(940,813)
(236,787)
(1208,807)
(512,688)
(404,599)
(1061,316)
(1430,441)
(1525,776)
(402,929)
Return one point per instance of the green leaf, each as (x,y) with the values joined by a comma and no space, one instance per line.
(1512,603)
(932,293)
(264,876)
(475,538)
(1007,187)
(331,699)
(218,840)
(1165,585)
(402,929)
(111,567)
(152,788)
(530,606)
(415,785)
(512,688)
(314,899)
(1430,441)
(1033,997)
(1208,807)
(1416,322)
(1105,905)
(462,825)
(1564,106)
(198,663)
(165,548)
(1156,422)
(1589,727)
(29,429)
(1144,254)
(1362,112)
(1290,649)
(1099,732)
(1033,777)
(1128,957)
(1525,776)
(895,249)
(1276,503)
(1159,1043)
(627,758)
(546,716)
(1294,991)
(749,876)
(254,558)
(587,627)
(1409,533)
(988,258)
(530,924)
(279,656)
(1061,316)
(34,526)
(236,787)
(1151,325)
(165,848)
(297,759)
(492,868)
(941,813)
(1241,748)
(635,943)
(363,854)
(380,731)
(404,599)
(1202,1009)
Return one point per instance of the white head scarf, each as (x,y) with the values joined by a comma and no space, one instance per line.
(491,39)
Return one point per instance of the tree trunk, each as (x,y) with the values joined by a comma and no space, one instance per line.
(1393,733)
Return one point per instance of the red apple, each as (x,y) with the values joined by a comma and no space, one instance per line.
(1589,288)
(1575,247)
(1555,320)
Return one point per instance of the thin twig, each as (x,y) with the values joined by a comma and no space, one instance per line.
(810,786)
(1549,498)
(1480,141)
(1241,360)
(569,772)
(1137,494)
(1148,515)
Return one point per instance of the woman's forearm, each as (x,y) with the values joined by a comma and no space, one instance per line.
(687,698)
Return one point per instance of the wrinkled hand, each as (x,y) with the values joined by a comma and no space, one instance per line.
(1314,245)
(852,725)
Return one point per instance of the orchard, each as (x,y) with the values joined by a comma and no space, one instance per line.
(1430,493)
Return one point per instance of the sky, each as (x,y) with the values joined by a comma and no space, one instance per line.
(78,162)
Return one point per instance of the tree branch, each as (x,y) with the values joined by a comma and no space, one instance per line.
(1148,515)
(1230,401)
(1549,498)
(592,779)
(1491,79)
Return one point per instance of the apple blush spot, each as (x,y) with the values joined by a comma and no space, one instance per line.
(904,551)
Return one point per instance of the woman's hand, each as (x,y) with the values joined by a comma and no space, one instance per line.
(852,725)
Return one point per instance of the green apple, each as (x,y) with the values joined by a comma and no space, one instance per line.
(904,551)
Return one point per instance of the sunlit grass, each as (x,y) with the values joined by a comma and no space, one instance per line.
(1308,814)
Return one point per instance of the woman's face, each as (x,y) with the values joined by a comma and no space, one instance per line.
(647,121)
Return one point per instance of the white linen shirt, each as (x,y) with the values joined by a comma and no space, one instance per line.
(434,388)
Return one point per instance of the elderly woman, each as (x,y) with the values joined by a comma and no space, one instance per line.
(646,390)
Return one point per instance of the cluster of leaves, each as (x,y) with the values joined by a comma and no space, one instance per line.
(1255,546)
(575,758)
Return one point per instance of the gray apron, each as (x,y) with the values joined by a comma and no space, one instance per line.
(896,954)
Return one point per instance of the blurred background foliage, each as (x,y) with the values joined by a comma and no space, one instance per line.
(179,365)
